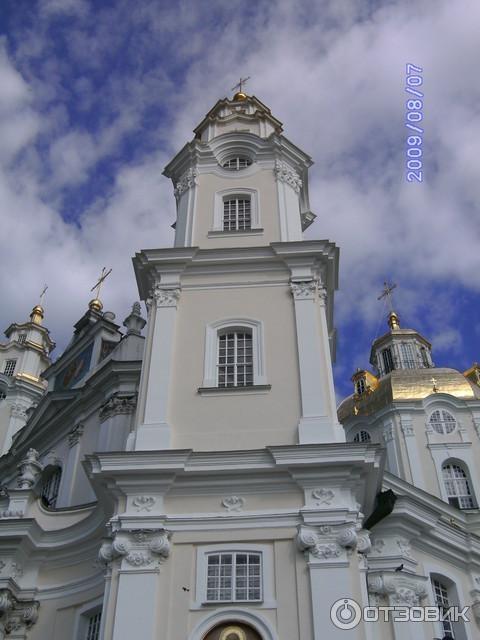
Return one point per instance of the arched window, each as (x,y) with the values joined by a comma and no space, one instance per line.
(235,358)
(237,213)
(237,163)
(457,486)
(440,591)
(51,485)
(362,436)
(442,421)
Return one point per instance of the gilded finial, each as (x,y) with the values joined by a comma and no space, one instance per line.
(240,95)
(38,313)
(393,320)
(96,303)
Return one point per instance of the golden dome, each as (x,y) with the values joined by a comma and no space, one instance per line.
(37,314)
(95,305)
(239,96)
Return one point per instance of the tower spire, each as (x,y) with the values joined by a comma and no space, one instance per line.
(38,312)
(96,303)
(387,293)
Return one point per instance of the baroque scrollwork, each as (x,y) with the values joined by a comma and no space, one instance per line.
(233,503)
(348,537)
(164,297)
(286,174)
(138,548)
(118,404)
(17,615)
(144,503)
(304,290)
(401,589)
(29,470)
(187,181)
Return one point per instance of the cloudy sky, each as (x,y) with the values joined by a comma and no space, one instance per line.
(97,95)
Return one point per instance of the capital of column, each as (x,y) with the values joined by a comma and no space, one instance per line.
(139,548)
(163,297)
(326,542)
(17,615)
(29,469)
(305,289)
(187,181)
(75,434)
(286,174)
(118,404)
(402,589)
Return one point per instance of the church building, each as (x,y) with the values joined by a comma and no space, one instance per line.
(186,475)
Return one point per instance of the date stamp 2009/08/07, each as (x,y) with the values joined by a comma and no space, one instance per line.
(414,117)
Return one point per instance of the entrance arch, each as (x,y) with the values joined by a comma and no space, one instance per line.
(233,631)
(244,619)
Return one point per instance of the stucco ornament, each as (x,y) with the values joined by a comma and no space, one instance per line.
(323,496)
(308,541)
(118,405)
(137,547)
(286,174)
(144,503)
(164,297)
(400,588)
(187,181)
(29,470)
(304,290)
(17,615)
(233,503)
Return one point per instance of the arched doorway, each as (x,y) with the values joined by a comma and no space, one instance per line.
(232,631)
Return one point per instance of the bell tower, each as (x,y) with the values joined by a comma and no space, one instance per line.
(240,311)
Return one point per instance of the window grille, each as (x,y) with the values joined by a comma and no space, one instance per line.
(362,436)
(457,487)
(387,360)
(235,164)
(360,386)
(237,215)
(93,626)
(22,337)
(233,577)
(235,359)
(442,421)
(408,356)
(441,600)
(9,367)
(50,488)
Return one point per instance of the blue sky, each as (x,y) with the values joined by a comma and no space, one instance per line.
(97,96)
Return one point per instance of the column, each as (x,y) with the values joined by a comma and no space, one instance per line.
(412,452)
(70,468)
(138,555)
(318,422)
(153,431)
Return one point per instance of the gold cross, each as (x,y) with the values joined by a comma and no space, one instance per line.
(102,278)
(240,84)
(387,293)
(42,295)
(434,382)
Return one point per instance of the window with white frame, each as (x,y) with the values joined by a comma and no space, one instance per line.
(51,486)
(457,486)
(237,163)
(440,592)
(237,213)
(234,354)
(442,421)
(235,358)
(362,436)
(234,577)
(9,367)
(92,626)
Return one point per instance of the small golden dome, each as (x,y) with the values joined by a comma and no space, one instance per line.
(37,314)
(239,96)
(95,305)
(393,320)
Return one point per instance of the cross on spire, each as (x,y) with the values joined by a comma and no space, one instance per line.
(42,295)
(101,279)
(387,293)
(240,84)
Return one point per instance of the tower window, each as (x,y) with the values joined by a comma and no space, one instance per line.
(442,421)
(362,436)
(425,361)
(360,386)
(387,360)
(93,626)
(50,488)
(457,486)
(237,215)
(9,367)
(408,357)
(22,337)
(235,164)
(440,592)
(233,577)
(235,359)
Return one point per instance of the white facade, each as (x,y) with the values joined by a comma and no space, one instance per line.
(195,483)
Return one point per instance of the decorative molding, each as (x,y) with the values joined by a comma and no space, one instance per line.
(233,503)
(378,545)
(187,181)
(400,588)
(18,411)
(407,427)
(29,470)
(144,503)
(405,548)
(388,433)
(17,616)
(305,290)
(323,496)
(165,297)
(118,405)
(286,174)
(138,547)
(347,537)
(75,434)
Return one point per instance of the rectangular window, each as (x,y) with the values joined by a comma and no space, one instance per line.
(233,577)
(408,357)
(22,337)
(93,626)
(235,359)
(387,360)
(441,600)
(237,214)
(9,367)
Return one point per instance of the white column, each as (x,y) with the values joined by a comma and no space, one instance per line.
(391,445)
(318,422)
(412,452)
(70,468)
(153,430)
(288,189)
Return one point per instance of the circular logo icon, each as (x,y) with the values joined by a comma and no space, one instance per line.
(345,613)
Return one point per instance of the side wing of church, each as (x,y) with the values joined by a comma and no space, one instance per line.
(188,477)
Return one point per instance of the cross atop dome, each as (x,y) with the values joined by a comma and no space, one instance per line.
(240,95)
